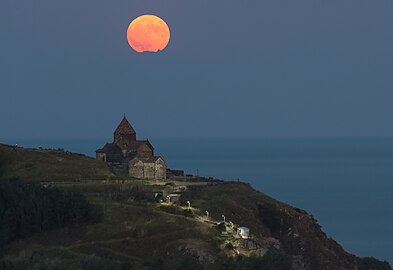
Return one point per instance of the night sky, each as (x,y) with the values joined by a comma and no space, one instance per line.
(232,69)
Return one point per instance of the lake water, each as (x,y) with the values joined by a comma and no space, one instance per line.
(347,184)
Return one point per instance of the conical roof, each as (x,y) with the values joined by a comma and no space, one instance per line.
(125,128)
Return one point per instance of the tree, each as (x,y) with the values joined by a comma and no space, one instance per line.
(28,207)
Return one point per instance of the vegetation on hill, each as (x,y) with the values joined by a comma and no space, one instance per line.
(138,231)
(1,164)
(370,263)
(133,235)
(28,207)
(50,165)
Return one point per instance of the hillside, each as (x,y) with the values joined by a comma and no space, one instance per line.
(50,165)
(138,230)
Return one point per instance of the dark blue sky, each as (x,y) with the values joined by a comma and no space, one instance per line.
(232,68)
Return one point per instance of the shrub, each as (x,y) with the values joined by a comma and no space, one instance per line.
(40,261)
(272,217)
(229,246)
(1,165)
(276,260)
(370,263)
(189,263)
(221,227)
(176,210)
(272,260)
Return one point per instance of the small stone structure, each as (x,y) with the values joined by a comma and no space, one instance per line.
(174,173)
(173,198)
(243,232)
(126,154)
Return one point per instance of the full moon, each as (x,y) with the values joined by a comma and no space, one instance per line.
(148,33)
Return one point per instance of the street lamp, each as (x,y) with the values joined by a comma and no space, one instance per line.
(223,218)
(189,204)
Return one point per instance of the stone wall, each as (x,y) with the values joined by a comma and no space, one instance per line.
(160,169)
(145,169)
(150,171)
(136,168)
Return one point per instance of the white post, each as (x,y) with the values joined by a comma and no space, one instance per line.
(207,214)
(223,218)
(189,204)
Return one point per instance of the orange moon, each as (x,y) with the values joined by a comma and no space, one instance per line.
(148,33)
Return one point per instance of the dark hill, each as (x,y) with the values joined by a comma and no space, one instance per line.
(137,232)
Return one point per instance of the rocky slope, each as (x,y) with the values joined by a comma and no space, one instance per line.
(275,225)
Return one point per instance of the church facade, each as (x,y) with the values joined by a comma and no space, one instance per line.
(128,155)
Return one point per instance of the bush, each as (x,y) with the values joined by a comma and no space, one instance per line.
(272,217)
(176,210)
(272,260)
(221,227)
(370,263)
(189,263)
(276,260)
(170,184)
(229,246)
(40,261)
(1,165)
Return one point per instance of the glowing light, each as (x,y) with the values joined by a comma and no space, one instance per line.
(148,33)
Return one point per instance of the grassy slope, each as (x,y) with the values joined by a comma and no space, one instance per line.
(50,165)
(128,232)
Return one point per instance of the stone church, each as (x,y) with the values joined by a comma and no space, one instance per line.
(128,155)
